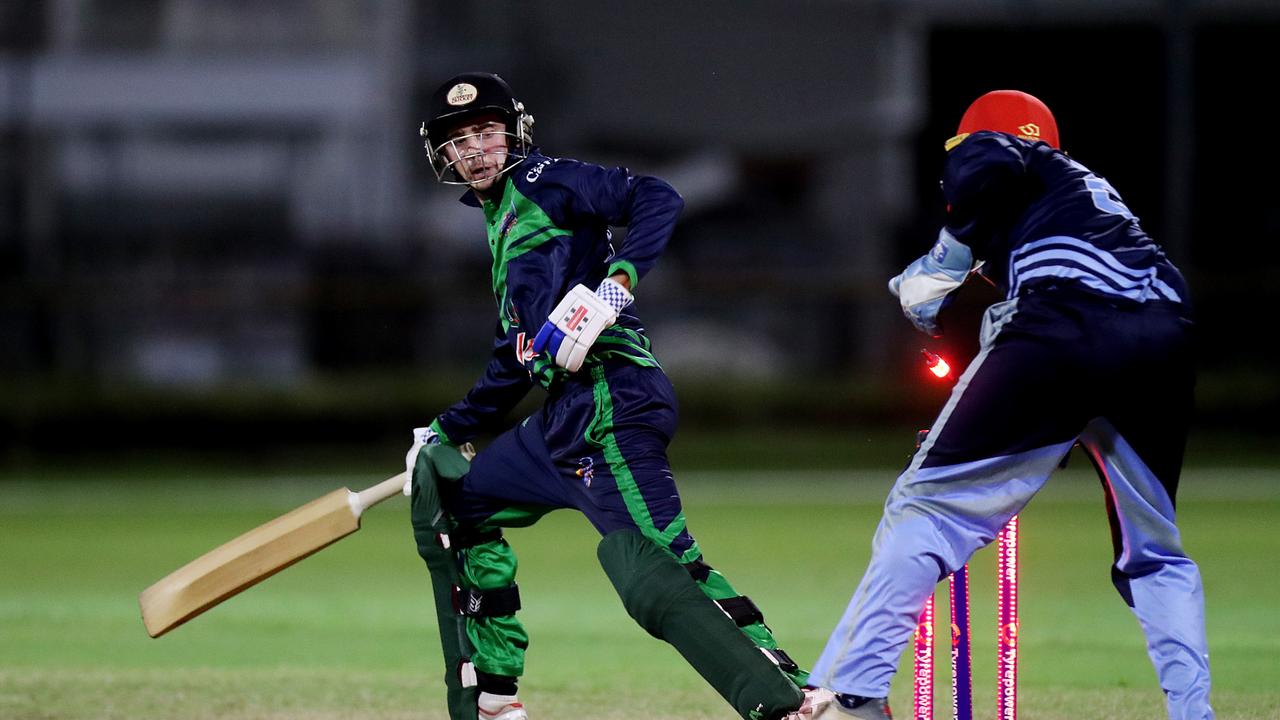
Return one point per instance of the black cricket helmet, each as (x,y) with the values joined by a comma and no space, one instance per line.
(465,96)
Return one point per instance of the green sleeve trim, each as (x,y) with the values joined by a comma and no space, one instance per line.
(444,436)
(626,267)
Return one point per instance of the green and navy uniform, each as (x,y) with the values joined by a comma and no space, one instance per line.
(598,444)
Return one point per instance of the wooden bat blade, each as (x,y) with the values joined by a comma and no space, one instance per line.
(247,560)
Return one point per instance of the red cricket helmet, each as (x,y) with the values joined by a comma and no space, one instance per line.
(1009,111)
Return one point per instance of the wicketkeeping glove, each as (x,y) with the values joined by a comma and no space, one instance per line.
(925,287)
(572,328)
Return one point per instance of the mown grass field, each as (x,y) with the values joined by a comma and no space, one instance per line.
(350,633)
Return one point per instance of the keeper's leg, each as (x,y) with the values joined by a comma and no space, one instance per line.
(1147,375)
(1152,572)
(1008,423)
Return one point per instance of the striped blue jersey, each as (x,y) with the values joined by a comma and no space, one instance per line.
(1040,221)
(549,231)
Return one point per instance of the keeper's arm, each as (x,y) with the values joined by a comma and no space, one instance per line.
(982,183)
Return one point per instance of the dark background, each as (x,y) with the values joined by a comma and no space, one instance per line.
(218,232)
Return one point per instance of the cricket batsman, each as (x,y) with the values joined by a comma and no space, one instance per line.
(563,293)
(1093,344)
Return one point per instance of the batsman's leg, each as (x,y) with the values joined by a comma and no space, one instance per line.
(639,467)
(436,466)
(622,481)
(746,615)
(659,594)
(472,570)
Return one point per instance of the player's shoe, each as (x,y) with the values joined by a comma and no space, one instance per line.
(848,707)
(816,700)
(499,707)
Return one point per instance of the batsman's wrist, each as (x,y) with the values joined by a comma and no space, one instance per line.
(615,294)
(622,279)
(624,267)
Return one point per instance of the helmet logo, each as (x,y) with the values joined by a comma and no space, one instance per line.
(461,94)
(1030,131)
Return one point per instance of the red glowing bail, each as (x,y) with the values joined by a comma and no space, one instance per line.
(936,364)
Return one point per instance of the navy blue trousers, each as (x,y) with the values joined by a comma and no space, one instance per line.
(598,445)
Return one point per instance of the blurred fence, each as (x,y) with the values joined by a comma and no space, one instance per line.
(216,214)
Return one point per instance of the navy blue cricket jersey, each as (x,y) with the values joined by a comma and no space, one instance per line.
(548,232)
(1043,221)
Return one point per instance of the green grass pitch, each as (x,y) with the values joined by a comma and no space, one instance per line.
(350,632)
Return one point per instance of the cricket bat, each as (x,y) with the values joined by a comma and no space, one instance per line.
(257,555)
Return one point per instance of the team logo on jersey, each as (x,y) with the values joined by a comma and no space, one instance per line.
(535,172)
(508,222)
(524,349)
(1030,131)
(939,252)
(461,94)
(586,470)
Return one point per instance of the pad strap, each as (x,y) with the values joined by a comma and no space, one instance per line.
(698,570)
(781,659)
(476,603)
(662,597)
(463,538)
(467,673)
(741,610)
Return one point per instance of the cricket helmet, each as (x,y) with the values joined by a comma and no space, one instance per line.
(1008,111)
(463,97)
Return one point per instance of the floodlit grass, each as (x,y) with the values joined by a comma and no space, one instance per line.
(350,633)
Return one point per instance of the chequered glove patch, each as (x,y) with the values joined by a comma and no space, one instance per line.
(613,293)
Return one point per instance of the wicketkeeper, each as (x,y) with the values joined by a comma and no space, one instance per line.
(1092,345)
(566,323)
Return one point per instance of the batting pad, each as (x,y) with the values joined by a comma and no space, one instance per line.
(659,594)
(439,464)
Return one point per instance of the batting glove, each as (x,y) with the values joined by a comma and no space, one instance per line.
(422,437)
(572,328)
(925,287)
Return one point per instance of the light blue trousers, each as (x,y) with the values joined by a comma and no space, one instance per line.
(937,516)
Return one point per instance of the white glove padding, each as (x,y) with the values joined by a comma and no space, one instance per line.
(925,287)
(573,326)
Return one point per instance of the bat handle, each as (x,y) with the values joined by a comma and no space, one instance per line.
(365,499)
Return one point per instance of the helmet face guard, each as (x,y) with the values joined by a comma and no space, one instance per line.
(465,97)
(447,152)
